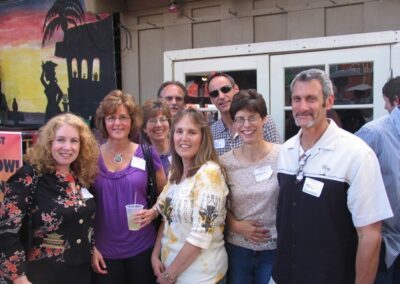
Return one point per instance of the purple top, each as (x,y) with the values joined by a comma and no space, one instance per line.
(114,190)
(165,162)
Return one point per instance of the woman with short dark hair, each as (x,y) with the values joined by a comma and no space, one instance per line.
(253,193)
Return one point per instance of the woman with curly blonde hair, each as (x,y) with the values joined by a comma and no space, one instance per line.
(52,189)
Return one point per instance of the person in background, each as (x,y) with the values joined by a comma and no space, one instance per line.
(174,94)
(391,95)
(222,88)
(331,198)
(383,136)
(190,241)
(54,182)
(120,255)
(253,193)
(155,129)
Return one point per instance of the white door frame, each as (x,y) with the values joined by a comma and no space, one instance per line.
(180,62)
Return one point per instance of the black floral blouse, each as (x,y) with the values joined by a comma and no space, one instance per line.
(63,219)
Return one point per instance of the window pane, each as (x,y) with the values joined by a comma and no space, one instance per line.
(290,73)
(353,83)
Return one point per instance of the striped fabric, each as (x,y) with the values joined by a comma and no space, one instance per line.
(383,136)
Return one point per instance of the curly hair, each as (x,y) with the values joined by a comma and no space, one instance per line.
(84,167)
(108,106)
(206,151)
(150,109)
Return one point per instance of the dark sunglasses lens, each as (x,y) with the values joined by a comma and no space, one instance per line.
(226,89)
(214,94)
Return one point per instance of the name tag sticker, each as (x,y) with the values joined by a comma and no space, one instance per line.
(85,193)
(138,163)
(313,187)
(263,173)
(219,143)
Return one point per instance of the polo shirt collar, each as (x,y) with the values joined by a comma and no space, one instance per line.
(327,141)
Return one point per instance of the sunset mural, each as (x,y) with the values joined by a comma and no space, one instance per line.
(22,54)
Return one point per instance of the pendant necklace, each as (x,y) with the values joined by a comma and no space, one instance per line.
(118,158)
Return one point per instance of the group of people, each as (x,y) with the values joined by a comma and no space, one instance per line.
(237,206)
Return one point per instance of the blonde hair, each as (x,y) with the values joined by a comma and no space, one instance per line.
(84,167)
(108,106)
(206,151)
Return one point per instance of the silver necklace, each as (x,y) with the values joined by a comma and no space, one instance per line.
(118,158)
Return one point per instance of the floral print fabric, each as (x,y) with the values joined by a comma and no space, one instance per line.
(194,212)
(62,221)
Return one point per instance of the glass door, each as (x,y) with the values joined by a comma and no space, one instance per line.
(357,87)
(249,72)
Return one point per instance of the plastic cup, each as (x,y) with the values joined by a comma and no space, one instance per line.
(131,210)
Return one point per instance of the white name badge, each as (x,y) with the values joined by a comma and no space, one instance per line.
(263,173)
(313,187)
(138,163)
(85,193)
(219,143)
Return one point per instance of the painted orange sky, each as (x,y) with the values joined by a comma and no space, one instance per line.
(21,55)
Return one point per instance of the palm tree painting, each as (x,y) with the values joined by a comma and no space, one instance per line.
(61,15)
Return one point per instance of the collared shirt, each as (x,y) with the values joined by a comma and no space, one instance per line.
(224,142)
(317,217)
(383,136)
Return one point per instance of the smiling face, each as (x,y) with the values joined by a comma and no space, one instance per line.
(118,124)
(187,139)
(157,128)
(249,125)
(65,147)
(223,100)
(308,105)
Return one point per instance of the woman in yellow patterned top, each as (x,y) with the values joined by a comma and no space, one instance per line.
(191,242)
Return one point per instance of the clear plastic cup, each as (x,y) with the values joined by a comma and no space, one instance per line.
(131,210)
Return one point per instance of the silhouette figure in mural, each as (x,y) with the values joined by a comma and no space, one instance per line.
(15,111)
(52,91)
(3,107)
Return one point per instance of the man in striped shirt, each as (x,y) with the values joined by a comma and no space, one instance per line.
(383,136)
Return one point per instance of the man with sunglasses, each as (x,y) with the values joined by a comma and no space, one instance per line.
(222,88)
(173,93)
(332,198)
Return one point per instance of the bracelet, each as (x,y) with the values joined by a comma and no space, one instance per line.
(155,210)
(166,276)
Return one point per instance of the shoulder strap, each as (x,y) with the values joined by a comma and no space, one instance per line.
(151,174)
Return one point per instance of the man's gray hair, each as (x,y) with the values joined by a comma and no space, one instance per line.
(315,74)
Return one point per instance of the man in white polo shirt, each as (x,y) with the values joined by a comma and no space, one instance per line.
(332,198)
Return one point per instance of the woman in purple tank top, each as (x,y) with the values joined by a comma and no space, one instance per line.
(122,253)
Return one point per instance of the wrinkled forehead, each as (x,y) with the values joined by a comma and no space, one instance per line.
(172,91)
(219,81)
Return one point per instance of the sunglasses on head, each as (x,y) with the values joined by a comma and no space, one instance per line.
(224,89)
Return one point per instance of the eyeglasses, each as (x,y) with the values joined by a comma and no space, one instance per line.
(178,99)
(161,120)
(300,172)
(121,118)
(241,120)
(224,90)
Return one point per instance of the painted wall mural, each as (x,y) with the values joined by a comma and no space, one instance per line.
(54,57)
